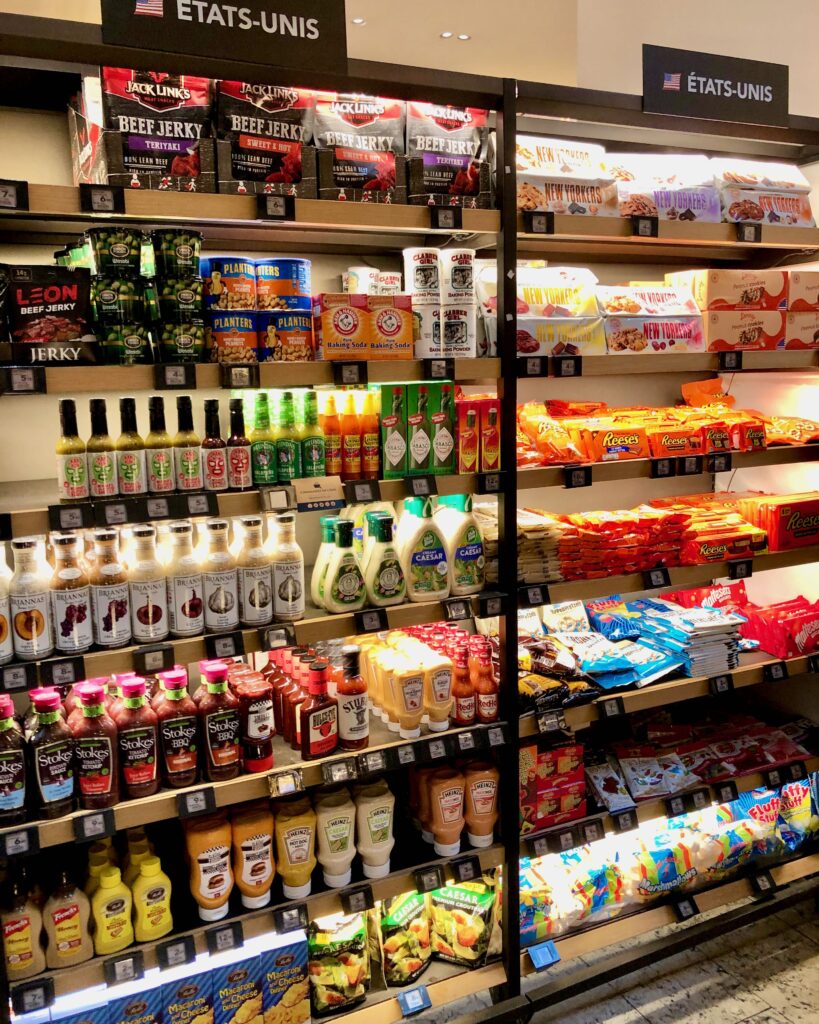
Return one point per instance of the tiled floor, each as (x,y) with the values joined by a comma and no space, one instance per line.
(766,973)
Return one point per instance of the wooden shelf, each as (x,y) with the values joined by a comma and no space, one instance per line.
(260,922)
(750,672)
(164,806)
(97,380)
(805,360)
(640,469)
(681,576)
(632,925)
(320,225)
(649,810)
(609,238)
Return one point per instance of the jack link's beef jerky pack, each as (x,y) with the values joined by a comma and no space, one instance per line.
(263,139)
(446,147)
(158,130)
(361,148)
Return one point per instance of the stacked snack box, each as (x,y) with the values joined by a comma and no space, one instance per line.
(552,786)
(441,283)
(478,433)
(667,186)
(564,176)
(650,318)
(762,192)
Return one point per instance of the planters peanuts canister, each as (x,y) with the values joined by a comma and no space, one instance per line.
(283,284)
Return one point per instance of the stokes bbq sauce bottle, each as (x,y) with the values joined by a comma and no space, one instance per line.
(12,766)
(178,731)
(319,715)
(52,756)
(219,714)
(96,750)
(138,741)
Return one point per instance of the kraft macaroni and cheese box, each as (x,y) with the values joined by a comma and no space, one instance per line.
(285,992)
(187,993)
(89,1006)
(237,987)
(138,1002)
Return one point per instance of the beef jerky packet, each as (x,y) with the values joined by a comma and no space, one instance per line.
(267,127)
(451,142)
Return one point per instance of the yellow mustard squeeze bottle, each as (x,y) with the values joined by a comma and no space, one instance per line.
(152,901)
(111,908)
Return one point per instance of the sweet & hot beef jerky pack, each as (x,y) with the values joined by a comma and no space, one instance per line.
(158,130)
(360,142)
(446,148)
(264,135)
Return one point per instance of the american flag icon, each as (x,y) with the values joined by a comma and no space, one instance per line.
(671,83)
(151,8)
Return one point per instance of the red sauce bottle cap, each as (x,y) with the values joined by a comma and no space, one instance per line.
(90,693)
(47,700)
(133,688)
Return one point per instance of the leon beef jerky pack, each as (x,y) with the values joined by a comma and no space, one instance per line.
(446,147)
(361,148)
(158,130)
(264,135)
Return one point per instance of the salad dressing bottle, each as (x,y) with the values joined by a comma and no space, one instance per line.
(147,588)
(344,588)
(383,575)
(423,553)
(185,604)
(159,449)
(6,638)
(72,467)
(110,611)
(328,543)
(70,597)
(288,571)
(30,602)
(102,467)
(219,580)
(131,471)
(463,542)
(255,576)
(187,452)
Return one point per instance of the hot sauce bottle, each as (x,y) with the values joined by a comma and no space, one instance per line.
(72,468)
(256,710)
(462,690)
(331,425)
(158,449)
(96,750)
(350,441)
(296,697)
(178,731)
(240,476)
(138,741)
(370,439)
(219,715)
(187,449)
(214,450)
(351,691)
(318,716)
(486,692)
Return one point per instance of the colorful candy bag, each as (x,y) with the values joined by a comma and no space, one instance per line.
(665,863)
(760,809)
(611,617)
(797,822)
(609,786)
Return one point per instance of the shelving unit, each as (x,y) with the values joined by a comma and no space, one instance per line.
(231,222)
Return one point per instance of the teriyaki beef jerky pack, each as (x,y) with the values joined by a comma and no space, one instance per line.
(158,130)
(361,147)
(264,135)
(446,147)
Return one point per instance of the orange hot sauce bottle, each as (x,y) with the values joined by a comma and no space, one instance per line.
(370,439)
(350,441)
(331,424)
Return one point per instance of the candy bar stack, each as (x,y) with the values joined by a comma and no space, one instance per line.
(705,639)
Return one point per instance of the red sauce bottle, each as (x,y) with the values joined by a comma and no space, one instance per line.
(202,688)
(219,716)
(283,688)
(96,749)
(52,756)
(178,731)
(319,716)
(256,710)
(486,693)
(295,698)
(462,690)
(351,692)
(13,779)
(138,741)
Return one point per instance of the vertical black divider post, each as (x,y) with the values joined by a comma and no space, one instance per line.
(507,527)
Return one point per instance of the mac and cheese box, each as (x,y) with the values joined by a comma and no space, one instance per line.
(237,988)
(89,1006)
(285,991)
(187,993)
(138,1002)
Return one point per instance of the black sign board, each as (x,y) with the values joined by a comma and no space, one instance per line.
(693,84)
(289,33)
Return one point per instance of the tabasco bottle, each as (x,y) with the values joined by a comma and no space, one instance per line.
(463,691)
(263,456)
(443,433)
(468,440)
(490,436)
(350,441)
(132,477)
(187,449)
(370,439)
(240,476)
(351,692)
(159,449)
(318,716)
(331,424)
(72,468)
(394,432)
(214,450)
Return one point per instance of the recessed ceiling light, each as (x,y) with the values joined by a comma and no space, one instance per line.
(359,21)
(463,37)
(446,35)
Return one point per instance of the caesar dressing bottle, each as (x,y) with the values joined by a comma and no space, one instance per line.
(219,581)
(344,588)
(463,542)
(423,554)
(328,543)
(288,571)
